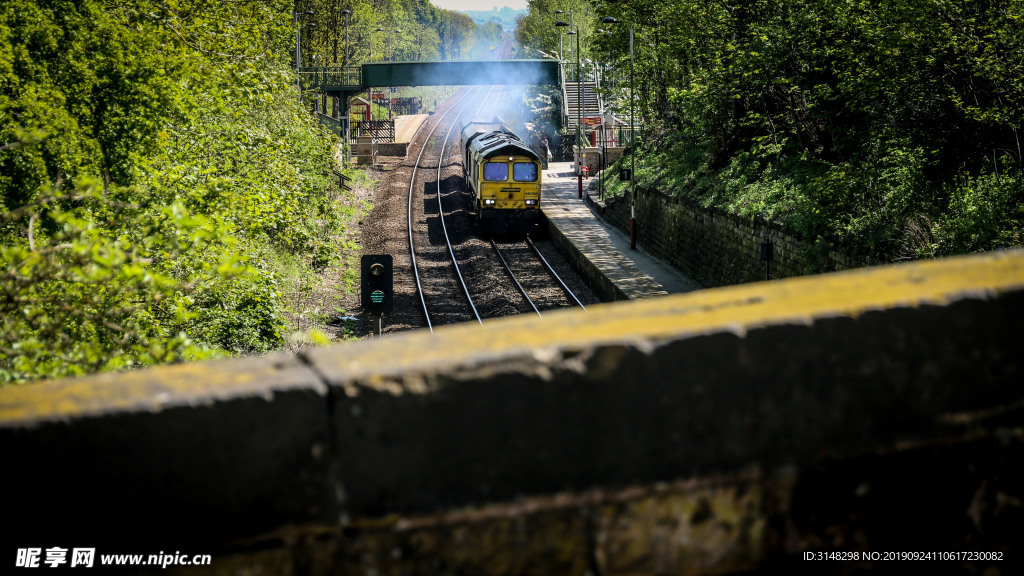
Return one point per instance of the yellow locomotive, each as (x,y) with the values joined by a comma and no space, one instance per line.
(504,175)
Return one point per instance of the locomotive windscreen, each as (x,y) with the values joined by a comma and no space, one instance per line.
(496,171)
(524,172)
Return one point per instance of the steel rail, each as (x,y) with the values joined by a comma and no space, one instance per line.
(444,227)
(513,276)
(412,246)
(551,270)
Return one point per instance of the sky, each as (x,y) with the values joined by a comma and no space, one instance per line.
(478,4)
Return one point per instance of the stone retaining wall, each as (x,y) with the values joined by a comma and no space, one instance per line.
(713,247)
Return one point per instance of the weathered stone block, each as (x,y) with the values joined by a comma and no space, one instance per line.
(196,453)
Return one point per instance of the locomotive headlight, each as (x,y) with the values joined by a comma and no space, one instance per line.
(490,201)
(531,202)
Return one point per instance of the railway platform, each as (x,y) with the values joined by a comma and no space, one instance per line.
(405,128)
(599,251)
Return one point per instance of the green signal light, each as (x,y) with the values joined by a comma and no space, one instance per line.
(377,297)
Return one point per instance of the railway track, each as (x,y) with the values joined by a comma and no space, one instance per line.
(570,296)
(454,274)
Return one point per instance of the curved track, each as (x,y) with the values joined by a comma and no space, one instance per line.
(412,246)
(451,272)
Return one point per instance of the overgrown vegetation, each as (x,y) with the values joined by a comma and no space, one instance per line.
(410,30)
(158,180)
(888,129)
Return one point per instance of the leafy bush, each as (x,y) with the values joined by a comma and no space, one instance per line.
(154,167)
(889,129)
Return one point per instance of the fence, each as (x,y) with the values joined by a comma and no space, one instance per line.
(332,124)
(380,130)
(322,77)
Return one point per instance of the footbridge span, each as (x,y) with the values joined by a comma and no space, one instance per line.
(724,431)
(342,81)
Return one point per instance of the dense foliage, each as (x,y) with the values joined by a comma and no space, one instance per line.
(155,170)
(410,30)
(537,32)
(890,129)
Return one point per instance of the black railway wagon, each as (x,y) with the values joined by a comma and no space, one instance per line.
(504,175)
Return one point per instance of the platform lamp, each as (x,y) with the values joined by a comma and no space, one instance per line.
(298,47)
(346,13)
(345,80)
(571,28)
(379,29)
(579,110)
(391,47)
(604,127)
(319,104)
(632,137)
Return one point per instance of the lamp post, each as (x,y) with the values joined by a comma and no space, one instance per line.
(579,121)
(379,29)
(391,44)
(298,47)
(632,137)
(391,47)
(347,13)
(579,110)
(571,26)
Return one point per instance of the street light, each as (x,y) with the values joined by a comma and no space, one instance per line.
(632,137)
(379,29)
(391,44)
(298,47)
(579,109)
(347,13)
(391,90)
(298,35)
(571,28)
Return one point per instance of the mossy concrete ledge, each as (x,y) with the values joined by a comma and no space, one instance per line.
(770,375)
(176,455)
(644,391)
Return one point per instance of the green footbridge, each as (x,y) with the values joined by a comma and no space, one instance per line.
(343,81)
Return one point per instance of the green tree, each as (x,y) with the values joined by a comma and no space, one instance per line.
(154,168)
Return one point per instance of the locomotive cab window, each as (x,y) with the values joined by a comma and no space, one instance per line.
(524,172)
(495,171)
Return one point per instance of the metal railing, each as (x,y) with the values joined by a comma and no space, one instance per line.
(381,130)
(332,124)
(326,77)
(343,181)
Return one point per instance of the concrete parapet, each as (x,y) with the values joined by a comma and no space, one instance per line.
(195,453)
(672,387)
(797,379)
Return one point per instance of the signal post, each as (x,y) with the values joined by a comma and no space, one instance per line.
(377,287)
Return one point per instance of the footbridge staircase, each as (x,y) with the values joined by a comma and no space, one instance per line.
(582,104)
(573,93)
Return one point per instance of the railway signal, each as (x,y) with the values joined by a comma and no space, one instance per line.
(377,283)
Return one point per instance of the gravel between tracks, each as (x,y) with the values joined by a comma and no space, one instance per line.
(384,231)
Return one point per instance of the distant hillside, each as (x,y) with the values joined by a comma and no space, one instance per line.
(505,16)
